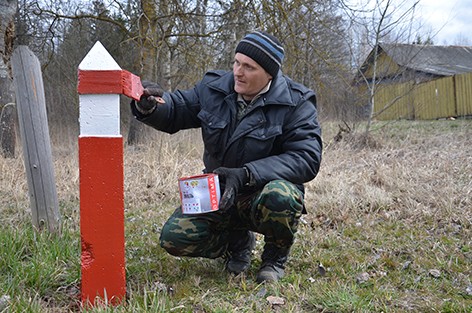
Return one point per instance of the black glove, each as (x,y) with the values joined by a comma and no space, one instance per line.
(234,179)
(151,96)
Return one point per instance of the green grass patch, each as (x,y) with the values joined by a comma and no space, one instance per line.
(38,269)
(388,230)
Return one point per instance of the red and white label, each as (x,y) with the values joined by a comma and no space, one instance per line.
(199,194)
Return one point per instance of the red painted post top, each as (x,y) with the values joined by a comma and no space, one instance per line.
(109,82)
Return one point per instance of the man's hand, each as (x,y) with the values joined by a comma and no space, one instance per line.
(150,98)
(234,179)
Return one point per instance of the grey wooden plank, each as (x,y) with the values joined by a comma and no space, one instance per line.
(34,131)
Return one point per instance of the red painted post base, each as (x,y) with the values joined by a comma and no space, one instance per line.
(102,219)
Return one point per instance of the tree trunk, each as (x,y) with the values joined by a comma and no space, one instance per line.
(7,131)
(148,45)
(8,10)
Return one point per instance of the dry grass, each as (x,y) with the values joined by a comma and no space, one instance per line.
(418,170)
(394,210)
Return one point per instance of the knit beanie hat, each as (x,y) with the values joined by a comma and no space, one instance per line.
(263,48)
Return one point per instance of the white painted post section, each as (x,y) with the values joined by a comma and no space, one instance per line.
(101,180)
(99,113)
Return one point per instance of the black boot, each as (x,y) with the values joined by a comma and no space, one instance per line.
(273,260)
(240,248)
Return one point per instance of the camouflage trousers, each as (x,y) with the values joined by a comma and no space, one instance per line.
(274,212)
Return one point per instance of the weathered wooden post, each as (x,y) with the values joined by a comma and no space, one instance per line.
(101,81)
(34,130)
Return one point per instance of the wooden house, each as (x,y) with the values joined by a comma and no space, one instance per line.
(419,81)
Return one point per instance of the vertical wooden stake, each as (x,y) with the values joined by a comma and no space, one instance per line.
(101,180)
(34,130)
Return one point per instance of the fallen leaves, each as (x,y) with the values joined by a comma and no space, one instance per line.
(4,302)
(273,300)
(435,273)
(321,269)
(366,276)
(362,278)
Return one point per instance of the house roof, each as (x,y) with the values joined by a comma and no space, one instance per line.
(437,60)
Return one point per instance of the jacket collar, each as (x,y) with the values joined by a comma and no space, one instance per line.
(262,92)
(279,91)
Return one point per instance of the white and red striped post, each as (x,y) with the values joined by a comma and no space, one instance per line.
(100,83)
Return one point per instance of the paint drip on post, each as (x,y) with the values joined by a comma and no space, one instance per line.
(199,194)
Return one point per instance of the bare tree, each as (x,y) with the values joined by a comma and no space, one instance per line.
(149,41)
(385,21)
(174,42)
(317,53)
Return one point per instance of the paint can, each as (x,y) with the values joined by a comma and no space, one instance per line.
(199,194)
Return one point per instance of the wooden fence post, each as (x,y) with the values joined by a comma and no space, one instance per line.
(34,131)
(101,81)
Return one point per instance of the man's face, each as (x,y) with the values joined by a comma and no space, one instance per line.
(249,77)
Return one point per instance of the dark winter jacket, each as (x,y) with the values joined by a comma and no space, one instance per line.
(279,138)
